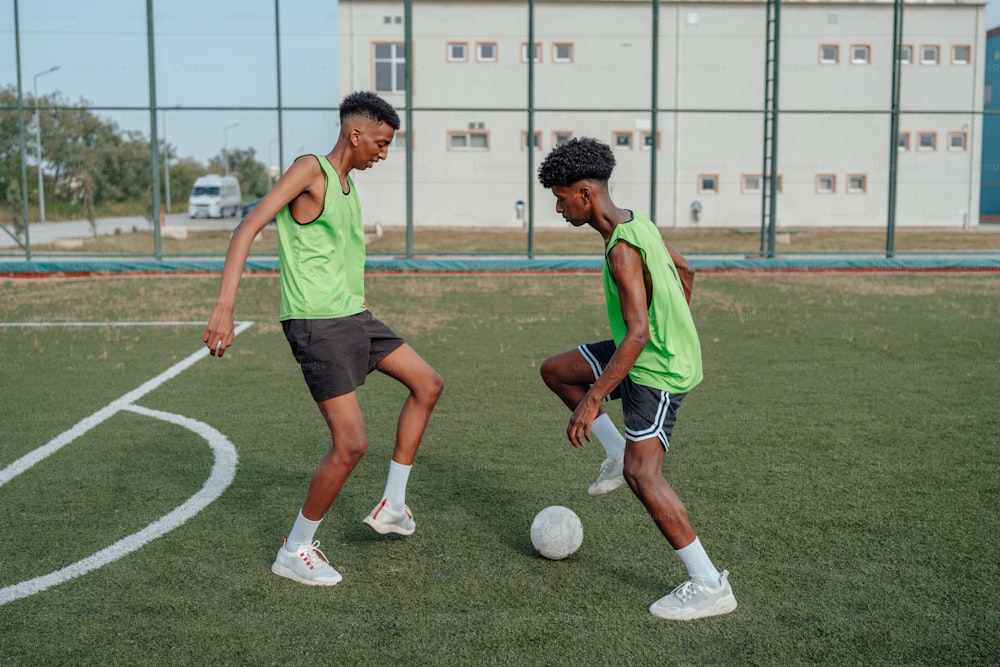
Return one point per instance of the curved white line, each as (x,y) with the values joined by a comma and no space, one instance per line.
(68,436)
(223,473)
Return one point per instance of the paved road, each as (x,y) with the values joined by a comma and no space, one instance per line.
(47,232)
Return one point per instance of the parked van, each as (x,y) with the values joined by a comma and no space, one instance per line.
(215,196)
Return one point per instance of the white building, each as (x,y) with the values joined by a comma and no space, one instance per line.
(593,77)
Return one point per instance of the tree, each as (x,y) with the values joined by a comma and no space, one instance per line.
(244,166)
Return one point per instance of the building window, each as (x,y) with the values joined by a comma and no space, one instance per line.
(562,52)
(930,54)
(458,52)
(826,184)
(486,52)
(906,54)
(861,54)
(622,141)
(751,183)
(399,140)
(390,67)
(904,142)
(536,52)
(926,141)
(957,141)
(646,140)
(708,184)
(857,183)
(988,94)
(829,54)
(524,139)
(561,137)
(472,140)
(961,54)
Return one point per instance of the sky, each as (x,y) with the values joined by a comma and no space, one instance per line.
(208,53)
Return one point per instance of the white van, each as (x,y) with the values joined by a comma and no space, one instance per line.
(215,196)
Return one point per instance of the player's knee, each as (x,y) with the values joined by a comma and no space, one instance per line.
(431,389)
(639,476)
(549,371)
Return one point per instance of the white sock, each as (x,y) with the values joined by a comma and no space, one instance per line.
(699,565)
(609,437)
(302,533)
(395,484)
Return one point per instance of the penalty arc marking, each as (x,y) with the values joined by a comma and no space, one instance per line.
(222,475)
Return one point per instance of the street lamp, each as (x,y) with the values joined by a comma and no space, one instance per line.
(225,144)
(38,145)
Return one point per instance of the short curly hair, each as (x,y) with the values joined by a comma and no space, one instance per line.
(370,106)
(576,160)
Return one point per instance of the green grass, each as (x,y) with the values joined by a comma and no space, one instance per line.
(840,459)
(434,241)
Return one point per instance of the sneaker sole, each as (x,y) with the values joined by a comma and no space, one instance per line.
(724,606)
(604,490)
(385,529)
(283,571)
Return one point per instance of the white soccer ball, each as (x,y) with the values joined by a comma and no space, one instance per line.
(556,532)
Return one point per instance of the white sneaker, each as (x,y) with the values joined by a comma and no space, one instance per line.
(612,476)
(386,519)
(307,565)
(693,599)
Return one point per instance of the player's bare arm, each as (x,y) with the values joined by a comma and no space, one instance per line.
(296,181)
(684,270)
(628,272)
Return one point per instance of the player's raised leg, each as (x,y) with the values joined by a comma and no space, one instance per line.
(707,592)
(569,376)
(391,514)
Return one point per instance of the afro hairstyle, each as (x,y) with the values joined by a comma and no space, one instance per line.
(371,106)
(576,160)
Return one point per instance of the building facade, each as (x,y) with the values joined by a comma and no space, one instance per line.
(593,76)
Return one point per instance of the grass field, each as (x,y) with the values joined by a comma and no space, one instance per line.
(435,241)
(840,459)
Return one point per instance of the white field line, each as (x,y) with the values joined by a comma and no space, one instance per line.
(222,475)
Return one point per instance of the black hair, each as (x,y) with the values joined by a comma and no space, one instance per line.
(370,106)
(576,160)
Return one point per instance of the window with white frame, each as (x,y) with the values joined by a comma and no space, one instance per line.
(926,141)
(486,52)
(524,139)
(622,140)
(958,141)
(826,184)
(708,184)
(536,52)
(930,54)
(861,54)
(751,183)
(458,52)
(390,67)
(961,54)
(857,183)
(561,137)
(562,52)
(906,54)
(904,142)
(646,140)
(469,140)
(829,54)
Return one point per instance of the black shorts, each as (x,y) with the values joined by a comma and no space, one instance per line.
(649,412)
(336,355)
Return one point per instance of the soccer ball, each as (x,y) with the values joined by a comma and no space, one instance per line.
(556,532)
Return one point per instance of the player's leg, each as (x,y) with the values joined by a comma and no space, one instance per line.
(391,514)
(569,376)
(649,419)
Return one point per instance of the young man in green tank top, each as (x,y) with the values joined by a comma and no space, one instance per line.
(652,361)
(333,336)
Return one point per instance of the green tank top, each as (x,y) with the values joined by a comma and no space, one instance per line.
(671,360)
(323,262)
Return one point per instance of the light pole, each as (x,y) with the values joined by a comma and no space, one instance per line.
(271,169)
(225,144)
(38,145)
